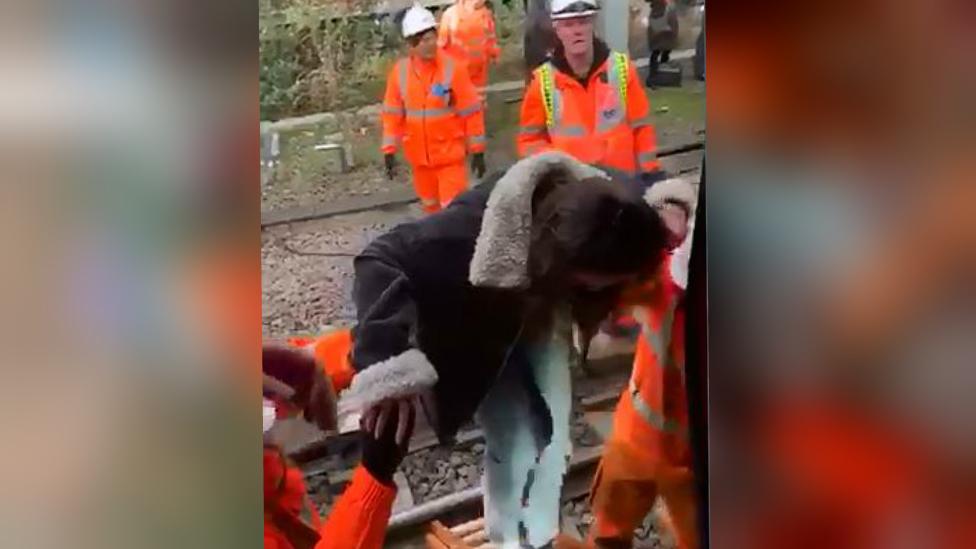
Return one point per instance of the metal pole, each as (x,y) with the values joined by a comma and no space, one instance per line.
(613,24)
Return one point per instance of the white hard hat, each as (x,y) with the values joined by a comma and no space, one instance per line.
(417,20)
(567,9)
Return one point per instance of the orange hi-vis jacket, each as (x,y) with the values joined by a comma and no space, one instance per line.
(360,517)
(607,123)
(469,36)
(652,417)
(434,110)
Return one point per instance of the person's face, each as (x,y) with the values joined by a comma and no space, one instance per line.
(576,34)
(425,45)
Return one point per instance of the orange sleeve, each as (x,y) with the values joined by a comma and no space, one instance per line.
(393,113)
(533,135)
(446,28)
(491,38)
(468,105)
(360,517)
(331,352)
(639,116)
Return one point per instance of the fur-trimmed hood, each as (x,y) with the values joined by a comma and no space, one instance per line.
(502,249)
(501,252)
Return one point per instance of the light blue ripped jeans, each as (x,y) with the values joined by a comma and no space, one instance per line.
(524,468)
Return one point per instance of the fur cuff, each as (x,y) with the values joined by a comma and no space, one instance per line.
(677,189)
(406,374)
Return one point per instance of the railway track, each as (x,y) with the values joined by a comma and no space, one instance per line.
(430,484)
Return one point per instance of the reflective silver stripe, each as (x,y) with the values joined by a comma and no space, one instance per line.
(428,113)
(532,130)
(659,339)
(643,157)
(568,131)
(641,122)
(393,110)
(469,110)
(448,73)
(389,141)
(651,416)
(403,79)
(476,139)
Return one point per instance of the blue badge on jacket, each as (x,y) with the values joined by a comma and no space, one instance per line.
(439,90)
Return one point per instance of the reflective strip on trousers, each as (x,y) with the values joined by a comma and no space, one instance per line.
(476,140)
(389,141)
(397,111)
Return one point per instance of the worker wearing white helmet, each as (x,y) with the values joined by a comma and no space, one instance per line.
(568,9)
(418,19)
(583,73)
(433,110)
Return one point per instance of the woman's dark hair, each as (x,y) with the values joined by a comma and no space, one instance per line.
(592,226)
(589,226)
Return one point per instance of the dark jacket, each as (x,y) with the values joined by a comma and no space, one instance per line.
(442,300)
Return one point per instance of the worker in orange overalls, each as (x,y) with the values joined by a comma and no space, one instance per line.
(588,101)
(647,454)
(311,370)
(467,31)
(432,108)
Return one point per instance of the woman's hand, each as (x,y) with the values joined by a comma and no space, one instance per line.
(385,432)
(374,420)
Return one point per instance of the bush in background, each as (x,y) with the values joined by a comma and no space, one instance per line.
(313,61)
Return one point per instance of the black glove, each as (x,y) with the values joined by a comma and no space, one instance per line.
(390,161)
(478,164)
(382,455)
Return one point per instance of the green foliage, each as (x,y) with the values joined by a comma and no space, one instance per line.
(312,61)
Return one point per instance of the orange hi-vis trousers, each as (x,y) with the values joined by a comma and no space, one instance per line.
(437,186)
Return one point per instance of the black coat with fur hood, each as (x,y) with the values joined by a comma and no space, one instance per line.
(441,301)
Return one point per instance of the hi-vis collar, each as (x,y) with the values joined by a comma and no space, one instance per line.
(547,84)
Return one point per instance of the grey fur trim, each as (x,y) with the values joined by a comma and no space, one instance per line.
(501,252)
(406,374)
(679,189)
